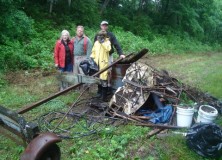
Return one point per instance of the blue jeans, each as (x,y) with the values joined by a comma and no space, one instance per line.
(67,68)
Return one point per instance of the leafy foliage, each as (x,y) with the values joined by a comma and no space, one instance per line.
(29,31)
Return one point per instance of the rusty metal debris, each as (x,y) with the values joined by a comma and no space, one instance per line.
(32,106)
(135,84)
(139,82)
(40,146)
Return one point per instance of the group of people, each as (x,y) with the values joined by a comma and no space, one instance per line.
(69,53)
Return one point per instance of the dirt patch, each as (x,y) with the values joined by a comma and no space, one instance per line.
(26,77)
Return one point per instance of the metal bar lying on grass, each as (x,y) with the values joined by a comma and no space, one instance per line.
(124,117)
(159,126)
(154,132)
(73,105)
(34,105)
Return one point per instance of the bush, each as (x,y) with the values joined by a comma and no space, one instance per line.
(16,26)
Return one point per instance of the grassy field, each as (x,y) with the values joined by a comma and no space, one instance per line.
(122,142)
(198,70)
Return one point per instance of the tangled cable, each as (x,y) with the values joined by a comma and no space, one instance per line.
(75,125)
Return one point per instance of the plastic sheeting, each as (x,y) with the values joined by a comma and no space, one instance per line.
(206,140)
(89,67)
(161,115)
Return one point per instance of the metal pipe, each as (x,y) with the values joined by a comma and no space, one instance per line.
(34,105)
(159,126)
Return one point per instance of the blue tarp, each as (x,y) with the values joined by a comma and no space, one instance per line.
(161,115)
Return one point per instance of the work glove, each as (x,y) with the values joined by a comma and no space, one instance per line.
(101,40)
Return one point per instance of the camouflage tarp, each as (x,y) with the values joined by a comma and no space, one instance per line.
(131,96)
(140,80)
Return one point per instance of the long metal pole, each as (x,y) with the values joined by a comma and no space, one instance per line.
(34,105)
(159,126)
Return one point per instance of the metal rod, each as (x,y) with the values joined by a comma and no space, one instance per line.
(73,105)
(34,105)
(154,132)
(159,126)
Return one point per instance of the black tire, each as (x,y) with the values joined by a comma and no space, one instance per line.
(52,153)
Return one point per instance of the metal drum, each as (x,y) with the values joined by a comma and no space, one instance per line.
(117,74)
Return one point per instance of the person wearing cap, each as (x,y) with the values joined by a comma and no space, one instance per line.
(63,55)
(100,54)
(114,44)
(82,48)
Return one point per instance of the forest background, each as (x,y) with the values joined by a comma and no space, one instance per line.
(29,28)
(183,36)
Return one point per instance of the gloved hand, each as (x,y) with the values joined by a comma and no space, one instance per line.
(100,39)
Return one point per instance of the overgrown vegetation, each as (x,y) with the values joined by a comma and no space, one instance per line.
(28,35)
(29,31)
(124,142)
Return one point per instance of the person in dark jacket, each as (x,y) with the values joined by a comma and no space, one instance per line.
(114,44)
(63,55)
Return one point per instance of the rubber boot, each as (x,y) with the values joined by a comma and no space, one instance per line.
(109,90)
(104,94)
(99,92)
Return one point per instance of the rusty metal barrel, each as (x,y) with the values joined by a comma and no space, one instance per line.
(117,74)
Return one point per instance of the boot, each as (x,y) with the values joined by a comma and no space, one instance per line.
(109,90)
(99,92)
(104,94)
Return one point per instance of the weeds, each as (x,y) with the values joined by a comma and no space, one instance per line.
(123,142)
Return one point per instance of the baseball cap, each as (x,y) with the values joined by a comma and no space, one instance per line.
(104,22)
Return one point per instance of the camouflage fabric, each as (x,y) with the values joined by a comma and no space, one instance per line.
(140,80)
(132,96)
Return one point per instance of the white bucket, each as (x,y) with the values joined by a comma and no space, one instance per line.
(184,116)
(206,114)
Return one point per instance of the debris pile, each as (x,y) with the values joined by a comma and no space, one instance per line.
(149,95)
(144,96)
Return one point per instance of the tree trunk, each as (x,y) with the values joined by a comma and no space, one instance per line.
(106,2)
(51,6)
(69,2)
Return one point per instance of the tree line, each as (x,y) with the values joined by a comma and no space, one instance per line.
(201,19)
(28,27)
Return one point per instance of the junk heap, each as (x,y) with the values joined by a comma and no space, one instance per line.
(154,94)
(143,96)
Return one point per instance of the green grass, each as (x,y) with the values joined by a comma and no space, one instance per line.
(123,142)
(198,70)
